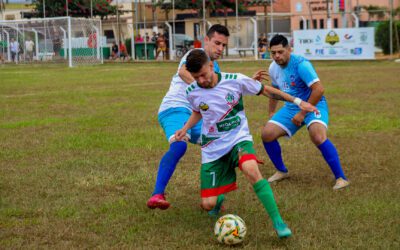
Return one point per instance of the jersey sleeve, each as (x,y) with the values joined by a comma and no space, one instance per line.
(307,73)
(272,76)
(216,67)
(249,86)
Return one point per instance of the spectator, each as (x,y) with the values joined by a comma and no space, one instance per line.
(123,51)
(29,45)
(114,51)
(161,46)
(139,38)
(154,37)
(147,37)
(197,43)
(14,47)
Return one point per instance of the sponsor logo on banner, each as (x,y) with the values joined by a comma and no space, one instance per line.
(318,40)
(348,38)
(345,51)
(332,51)
(356,51)
(332,38)
(305,41)
(308,52)
(363,37)
(319,52)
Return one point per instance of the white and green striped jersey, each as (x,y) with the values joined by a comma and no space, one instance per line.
(176,96)
(224,120)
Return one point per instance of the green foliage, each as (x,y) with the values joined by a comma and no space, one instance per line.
(76,8)
(382,36)
(374,10)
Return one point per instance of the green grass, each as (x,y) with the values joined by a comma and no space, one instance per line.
(80,149)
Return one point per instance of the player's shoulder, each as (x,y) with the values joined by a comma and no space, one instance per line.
(273,67)
(225,76)
(191,88)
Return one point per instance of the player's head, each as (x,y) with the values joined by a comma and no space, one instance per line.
(200,67)
(280,49)
(215,41)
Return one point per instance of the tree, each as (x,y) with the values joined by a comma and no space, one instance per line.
(382,38)
(76,8)
(375,11)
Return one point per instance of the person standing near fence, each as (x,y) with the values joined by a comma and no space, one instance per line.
(29,45)
(14,48)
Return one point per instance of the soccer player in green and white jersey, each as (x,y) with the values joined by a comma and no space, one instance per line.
(226,139)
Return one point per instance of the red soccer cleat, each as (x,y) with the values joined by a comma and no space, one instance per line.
(158,201)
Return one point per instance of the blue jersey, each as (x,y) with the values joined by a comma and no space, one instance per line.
(295,79)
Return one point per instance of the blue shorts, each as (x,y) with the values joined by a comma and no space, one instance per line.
(174,119)
(283,118)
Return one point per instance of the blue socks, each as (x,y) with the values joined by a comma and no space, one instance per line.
(168,164)
(331,156)
(275,154)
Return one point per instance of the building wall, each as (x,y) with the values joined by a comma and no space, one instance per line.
(300,8)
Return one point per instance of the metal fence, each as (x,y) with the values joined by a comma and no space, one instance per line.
(73,41)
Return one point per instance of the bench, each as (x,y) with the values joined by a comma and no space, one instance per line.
(244,50)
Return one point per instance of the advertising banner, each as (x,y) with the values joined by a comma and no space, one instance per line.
(335,44)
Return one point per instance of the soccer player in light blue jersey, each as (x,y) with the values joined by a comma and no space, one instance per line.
(175,110)
(296,76)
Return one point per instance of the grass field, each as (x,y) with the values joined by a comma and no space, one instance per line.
(80,150)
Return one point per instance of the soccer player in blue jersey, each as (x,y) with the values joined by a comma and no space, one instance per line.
(296,76)
(175,110)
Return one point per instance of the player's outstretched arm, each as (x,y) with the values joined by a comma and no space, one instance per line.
(185,75)
(193,120)
(277,94)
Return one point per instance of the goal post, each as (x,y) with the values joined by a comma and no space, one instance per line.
(68,40)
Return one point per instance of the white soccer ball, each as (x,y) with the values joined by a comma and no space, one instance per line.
(230,229)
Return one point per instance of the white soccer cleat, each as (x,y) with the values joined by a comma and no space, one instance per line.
(341,183)
(278,176)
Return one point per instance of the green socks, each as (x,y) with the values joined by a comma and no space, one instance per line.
(217,208)
(265,195)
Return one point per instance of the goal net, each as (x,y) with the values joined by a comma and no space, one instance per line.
(73,41)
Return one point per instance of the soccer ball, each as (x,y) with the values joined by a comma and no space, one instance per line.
(230,229)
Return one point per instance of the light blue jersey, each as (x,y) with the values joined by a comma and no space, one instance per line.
(295,79)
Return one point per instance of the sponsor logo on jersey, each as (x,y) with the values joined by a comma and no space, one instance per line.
(292,80)
(203,106)
(332,38)
(211,129)
(228,124)
(230,98)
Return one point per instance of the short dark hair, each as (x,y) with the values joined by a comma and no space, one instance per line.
(278,39)
(196,59)
(219,29)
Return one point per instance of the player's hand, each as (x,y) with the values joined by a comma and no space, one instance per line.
(308,107)
(180,134)
(260,75)
(298,119)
